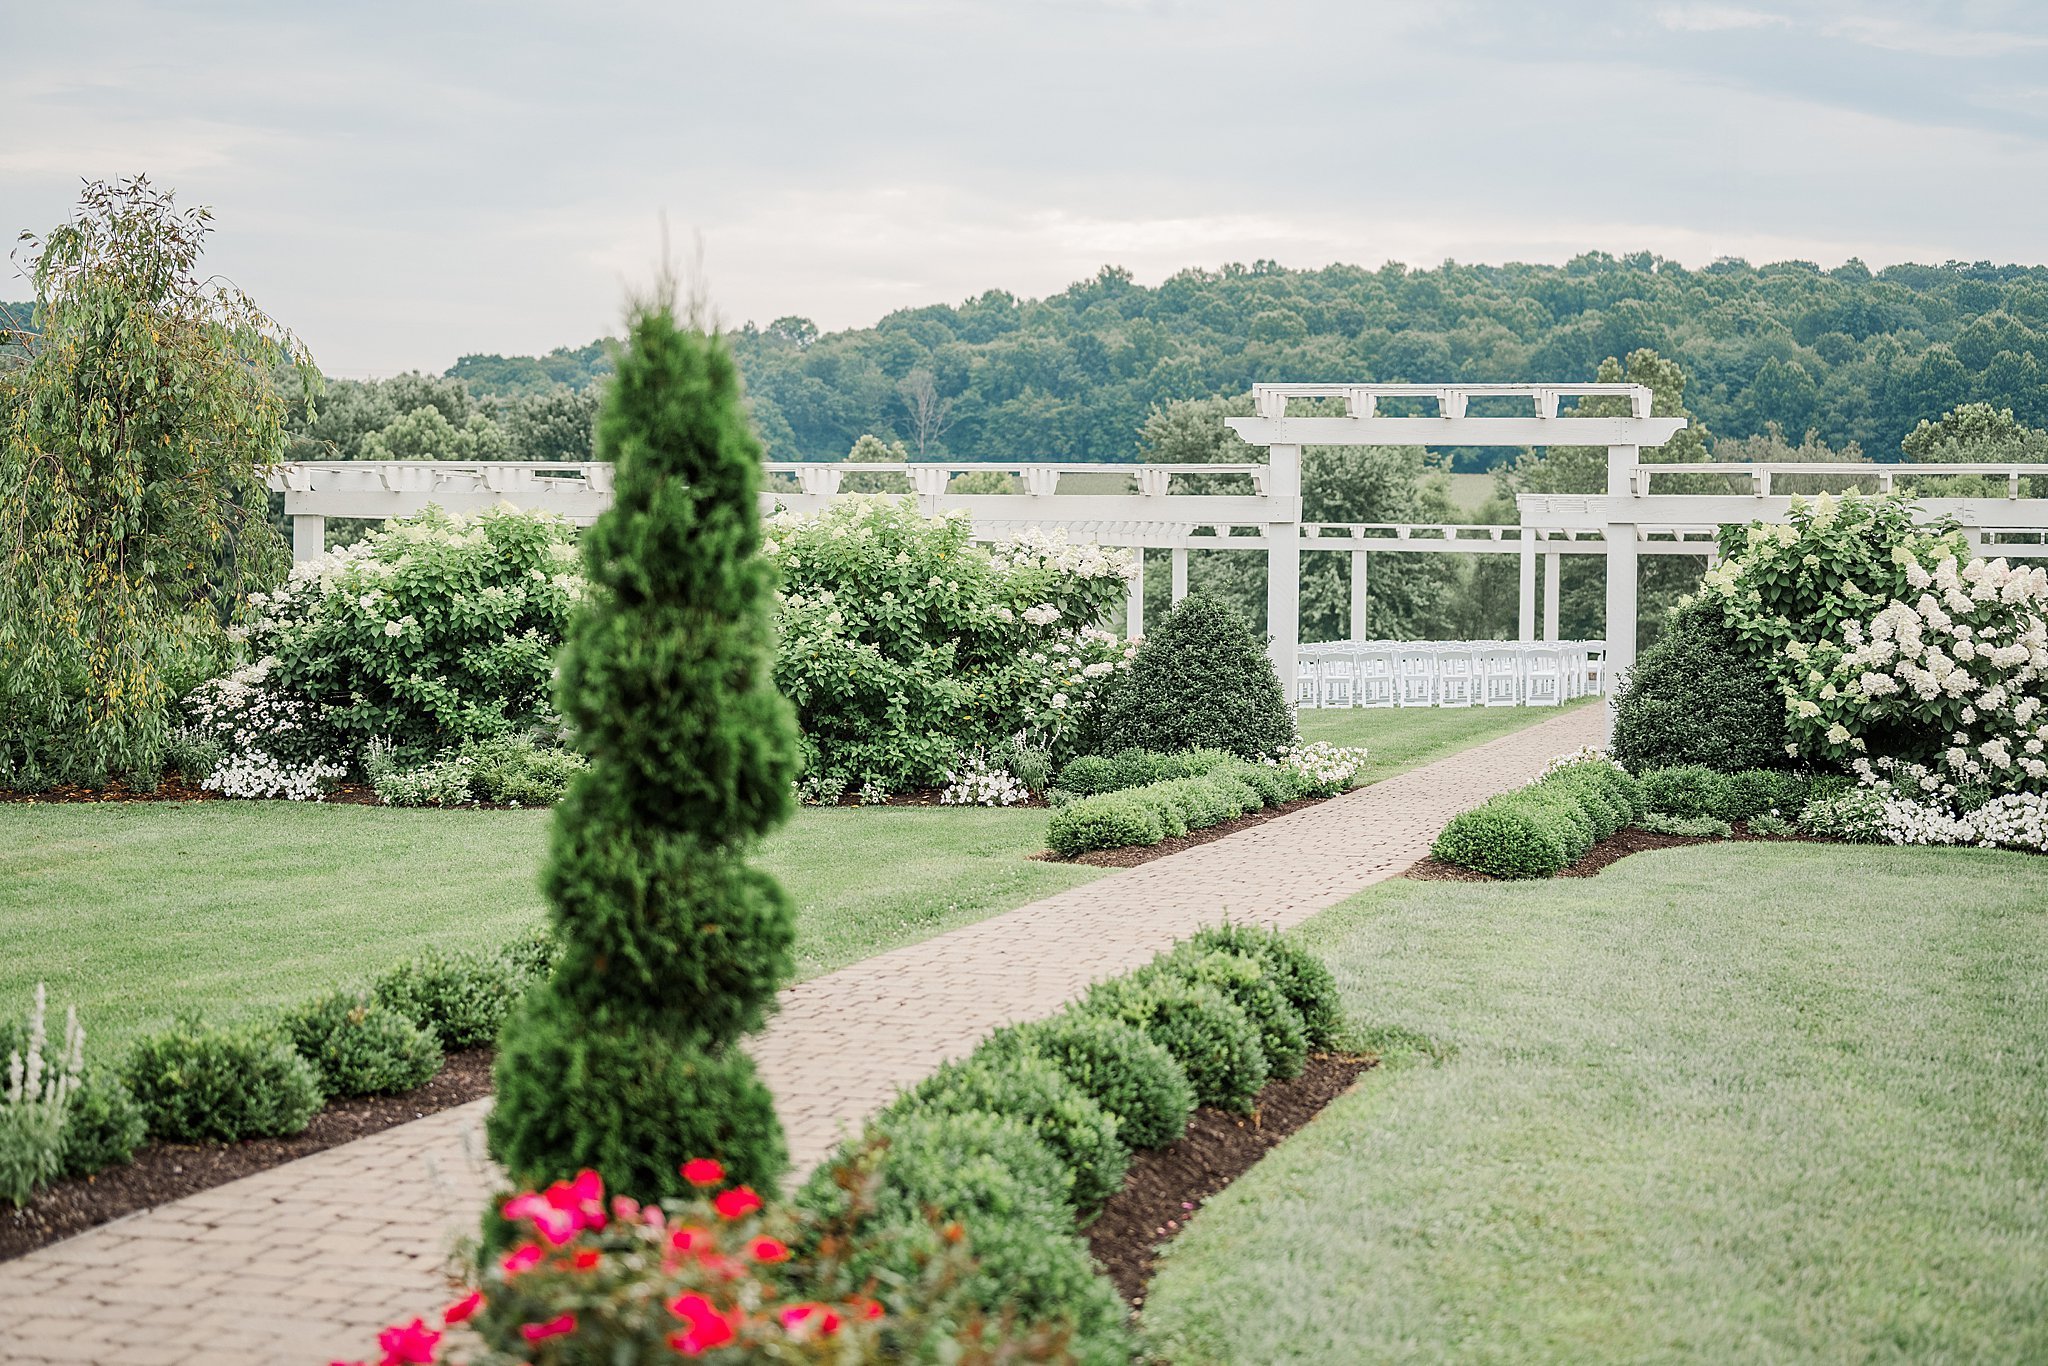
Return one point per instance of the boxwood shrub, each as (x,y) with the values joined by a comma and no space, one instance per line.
(1304,979)
(1109,820)
(1114,1064)
(1004,1186)
(1541,829)
(1032,1090)
(464,997)
(1686,790)
(360,1046)
(1283,1038)
(196,1083)
(1207,1033)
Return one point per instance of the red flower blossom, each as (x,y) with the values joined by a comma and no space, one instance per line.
(737,1203)
(587,1259)
(407,1346)
(869,1309)
(689,1239)
(463,1308)
(769,1250)
(553,1328)
(708,1328)
(809,1320)
(522,1258)
(702,1171)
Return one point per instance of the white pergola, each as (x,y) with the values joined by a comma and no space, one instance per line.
(1625,522)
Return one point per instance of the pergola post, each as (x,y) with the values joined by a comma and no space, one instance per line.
(1180,573)
(1552,561)
(1134,610)
(1621,579)
(1525,596)
(309,536)
(1283,563)
(1360,585)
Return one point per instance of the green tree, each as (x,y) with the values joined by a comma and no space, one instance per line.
(872,450)
(628,1060)
(133,508)
(425,434)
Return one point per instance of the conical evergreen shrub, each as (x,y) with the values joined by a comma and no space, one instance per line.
(627,1060)
(1201,681)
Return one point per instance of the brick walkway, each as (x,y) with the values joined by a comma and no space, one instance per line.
(303,1263)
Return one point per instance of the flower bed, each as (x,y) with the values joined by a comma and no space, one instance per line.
(1132,804)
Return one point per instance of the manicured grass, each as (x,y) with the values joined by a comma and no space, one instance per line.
(1401,738)
(134,911)
(1723,1103)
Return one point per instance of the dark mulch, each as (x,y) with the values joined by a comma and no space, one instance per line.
(1167,1185)
(1131,855)
(163,1172)
(1608,851)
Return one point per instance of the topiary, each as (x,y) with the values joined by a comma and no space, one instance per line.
(1212,1039)
(1697,696)
(1108,820)
(1202,679)
(196,1083)
(1304,979)
(1113,1063)
(463,997)
(1031,1090)
(1282,1036)
(361,1047)
(627,1060)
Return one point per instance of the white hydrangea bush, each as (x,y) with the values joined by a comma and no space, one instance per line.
(432,631)
(905,645)
(1891,643)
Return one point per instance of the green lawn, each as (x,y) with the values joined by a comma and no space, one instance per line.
(1722,1103)
(1401,738)
(131,911)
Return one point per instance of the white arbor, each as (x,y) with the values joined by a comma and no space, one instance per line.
(1626,521)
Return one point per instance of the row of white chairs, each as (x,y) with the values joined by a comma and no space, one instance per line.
(1460,673)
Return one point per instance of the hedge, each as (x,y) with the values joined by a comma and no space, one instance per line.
(1144,815)
(1541,829)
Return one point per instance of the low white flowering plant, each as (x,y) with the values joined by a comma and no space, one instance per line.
(1323,769)
(906,645)
(977,782)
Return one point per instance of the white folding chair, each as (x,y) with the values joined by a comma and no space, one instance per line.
(1454,677)
(1543,677)
(1415,677)
(1375,680)
(1500,676)
(1596,665)
(1339,681)
(1307,681)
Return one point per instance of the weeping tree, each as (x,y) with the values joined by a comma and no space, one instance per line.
(135,436)
(628,1060)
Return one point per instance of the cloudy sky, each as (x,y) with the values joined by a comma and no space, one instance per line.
(404,183)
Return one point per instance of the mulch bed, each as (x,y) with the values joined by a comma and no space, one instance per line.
(1611,850)
(1167,1185)
(1131,855)
(163,1172)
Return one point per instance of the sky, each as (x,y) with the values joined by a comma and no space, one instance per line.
(402,184)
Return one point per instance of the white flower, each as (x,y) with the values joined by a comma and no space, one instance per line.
(392,628)
(1059,699)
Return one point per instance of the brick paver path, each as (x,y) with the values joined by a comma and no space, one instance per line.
(303,1263)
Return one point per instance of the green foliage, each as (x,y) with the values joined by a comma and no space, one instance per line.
(1528,833)
(428,633)
(462,998)
(1202,680)
(517,770)
(1687,790)
(196,1083)
(103,1126)
(1214,1042)
(361,1047)
(1692,827)
(994,1177)
(1036,1092)
(1303,978)
(627,1060)
(1111,820)
(905,643)
(1699,696)
(1114,1064)
(1854,815)
(1759,792)
(1283,1037)
(134,442)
